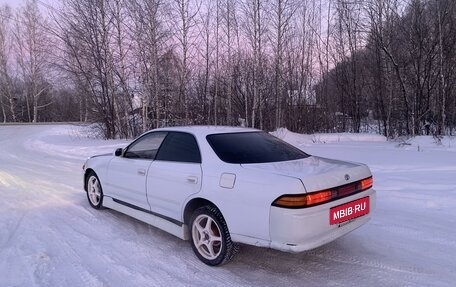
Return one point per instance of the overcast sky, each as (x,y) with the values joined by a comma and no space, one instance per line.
(12,3)
(17,3)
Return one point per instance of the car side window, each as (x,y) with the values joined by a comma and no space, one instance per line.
(180,147)
(145,147)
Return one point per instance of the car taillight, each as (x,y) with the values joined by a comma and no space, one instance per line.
(324,196)
(300,200)
(367,183)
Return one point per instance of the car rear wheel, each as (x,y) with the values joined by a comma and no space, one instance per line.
(94,191)
(210,238)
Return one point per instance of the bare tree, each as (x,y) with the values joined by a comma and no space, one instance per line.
(86,34)
(283,11)
(229,28)
(185,12)
(32,50)
(7,99)
(382,16)
(350,23)
(309,65)
(442,88)
(255,28)
(122,67)
(149,34)
(207,76)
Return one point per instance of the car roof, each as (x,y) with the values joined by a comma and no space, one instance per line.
(203,131)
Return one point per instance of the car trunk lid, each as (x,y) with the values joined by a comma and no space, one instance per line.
(316,173)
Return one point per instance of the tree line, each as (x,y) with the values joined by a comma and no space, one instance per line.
(401,70)
(309,65)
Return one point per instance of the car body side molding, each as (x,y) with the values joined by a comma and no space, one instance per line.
(177,222)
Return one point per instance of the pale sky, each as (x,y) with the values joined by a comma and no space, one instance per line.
(12,3)
(17,3)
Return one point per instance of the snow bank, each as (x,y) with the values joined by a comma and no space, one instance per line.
(422,143)
(304,139)
(71,141)
(418,143)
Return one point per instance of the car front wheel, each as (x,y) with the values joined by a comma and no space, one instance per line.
(210,238)
(94,191)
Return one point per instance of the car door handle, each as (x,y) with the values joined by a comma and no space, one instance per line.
(192,179)
(142,172)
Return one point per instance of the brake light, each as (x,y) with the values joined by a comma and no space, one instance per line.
(367,183)
(318,197)
(300,200)
(324,196)
(290,201)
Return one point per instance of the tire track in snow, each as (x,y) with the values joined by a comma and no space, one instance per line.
(12,231)
(156,249)
(68,259)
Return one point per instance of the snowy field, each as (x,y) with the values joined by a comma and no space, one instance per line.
(50,236)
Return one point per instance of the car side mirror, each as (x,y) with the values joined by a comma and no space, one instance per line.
(118,152)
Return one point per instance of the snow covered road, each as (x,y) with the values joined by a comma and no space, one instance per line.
(50,236)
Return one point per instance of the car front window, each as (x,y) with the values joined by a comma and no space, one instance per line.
(252,147)
(145,147)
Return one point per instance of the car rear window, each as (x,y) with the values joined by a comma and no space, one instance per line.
(252,147)
(181,147)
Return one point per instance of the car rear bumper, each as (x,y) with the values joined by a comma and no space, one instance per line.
(297,230)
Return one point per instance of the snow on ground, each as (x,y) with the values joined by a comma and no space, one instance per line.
(49,235)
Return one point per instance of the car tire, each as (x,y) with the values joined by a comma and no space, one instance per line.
(210,238)
(94,190)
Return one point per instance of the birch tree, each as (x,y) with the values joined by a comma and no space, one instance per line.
(185,13)
(382,16)
(350,23)
(149,35)
(255,28)
(7,98)
(122,67)
(86,35)
(32,50)
(283,11)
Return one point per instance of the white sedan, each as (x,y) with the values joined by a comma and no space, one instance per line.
(220,186)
